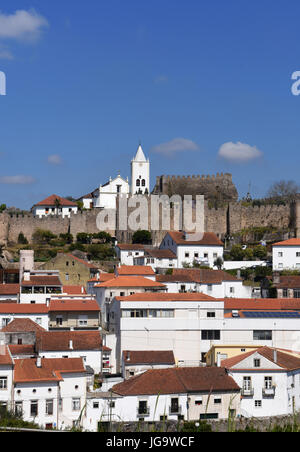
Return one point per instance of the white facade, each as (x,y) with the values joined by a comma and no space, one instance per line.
(140,173)
(126,256)
(106,195)
(8,314)
(92,358)
(155,262)
(225,289)
(45,211)
(286,257)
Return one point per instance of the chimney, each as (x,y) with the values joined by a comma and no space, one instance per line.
(38,361)
(238,274)
(276,278)
(274,355)
(128,356)
(26,275)
(70,344)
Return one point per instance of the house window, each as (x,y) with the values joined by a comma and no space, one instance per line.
(67,263)
(209,287)
(5,321)
(280,265)
(198,402)
(33,408)
(67,276)
(280,253)
(49,407)
(231,289)
(196,255)
(296,293)
(218,401)
(174,405)
(247,383)
(143,182)
(206,255)
(3,382)
(210,335)
(256,362)
(19,408)
(83,320)
(186,254)
(284,293)
(257,403)
(75,404)
(262,335)
(96,405)
(215,255)
(142,408)
(268,382)
(211,314)
(59,320)
(38,320)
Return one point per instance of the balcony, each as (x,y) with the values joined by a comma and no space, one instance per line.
(268,392)
(247,392)
(174,410)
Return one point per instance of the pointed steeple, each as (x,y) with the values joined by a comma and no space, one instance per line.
(140,156)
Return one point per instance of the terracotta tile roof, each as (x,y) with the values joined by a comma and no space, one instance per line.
(74,290)
(261,303)
(42,280)
(5,356)
(131,246)
(288,282)
(130,281)
(166,296)
(135,270)
(148,357)
(21,325)
(73,305)
(284,360)
(23,308)
(289,242)
(50,201)
(60,340)
(23,349)
(199,275)
(102,277)
(9,289)
(177,381)
(160,253)
(26,369)
(208,238)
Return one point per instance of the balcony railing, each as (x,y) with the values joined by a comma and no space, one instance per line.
(268,392)
(248,392)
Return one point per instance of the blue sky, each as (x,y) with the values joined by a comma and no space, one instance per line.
(204,85)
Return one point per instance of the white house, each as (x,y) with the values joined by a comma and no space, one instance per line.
(38,313)
(137,361)
(269,379)
(135,270)
(9,292)
(157,259)
(286,255)
(6,378)
(50,392)
(54,205)
(126,253)
(189,249)
(216,283)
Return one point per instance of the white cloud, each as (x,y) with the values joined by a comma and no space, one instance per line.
(176,145)
(21,25)
(54,159)
(239,152)
(17,180)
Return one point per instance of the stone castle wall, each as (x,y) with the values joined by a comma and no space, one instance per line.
(229,219)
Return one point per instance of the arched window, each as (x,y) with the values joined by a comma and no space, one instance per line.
(143,182)
(138,182)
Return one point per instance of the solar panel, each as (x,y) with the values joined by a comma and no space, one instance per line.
(272,314)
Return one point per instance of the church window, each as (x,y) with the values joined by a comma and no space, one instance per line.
(143,182)
(137,182)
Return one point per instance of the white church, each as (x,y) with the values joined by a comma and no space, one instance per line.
(105,196)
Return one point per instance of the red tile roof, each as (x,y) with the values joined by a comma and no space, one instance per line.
(160,253)
(283,359)
(177,381)
(23,308)
(23,349)
(289,242)
(262,304)
(74,290)
(207,238)
(200,276)
(131,246)
(82,261)
(42,280)
(26,369)
(135,270)
(130,281)
(50,201)
(5,356)
(288,282)
(148,357)
(9,289)
(60,340)
(21,325)
(74,305)
(166,296)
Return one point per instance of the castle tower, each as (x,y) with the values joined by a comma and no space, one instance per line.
(140,173)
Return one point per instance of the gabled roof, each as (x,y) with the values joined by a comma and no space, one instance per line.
(160,253)
(131,246)
(51,201)
(82,261)
(148,357)
(140,156)
(135,270)
(177,380)
(199,275)
(74,290)
(284,360)
(130,281)
(23,308)
(23,325)
(288,282)
(289,242)
(207,238)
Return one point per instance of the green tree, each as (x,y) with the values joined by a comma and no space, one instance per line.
(237,253)
(142,236)
(43,236)
(84,238)
(2,208)
(219,263)
(22,239)
(260,252)
(67,238)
